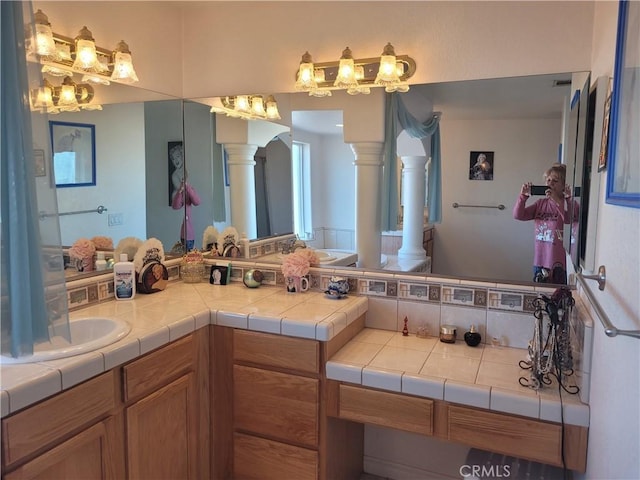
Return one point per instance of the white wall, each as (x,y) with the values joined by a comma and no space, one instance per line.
(614,432)
(523,150)
(120,176)
(448,40)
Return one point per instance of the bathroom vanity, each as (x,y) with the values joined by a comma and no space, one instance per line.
(223,381)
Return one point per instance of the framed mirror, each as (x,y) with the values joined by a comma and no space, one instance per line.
(623,179)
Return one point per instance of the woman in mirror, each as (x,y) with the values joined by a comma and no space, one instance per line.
(186,196)
(550,214)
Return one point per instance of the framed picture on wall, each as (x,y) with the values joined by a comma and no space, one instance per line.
(481,165)
(623,177)
(176,167)
(604,143)
(74,154)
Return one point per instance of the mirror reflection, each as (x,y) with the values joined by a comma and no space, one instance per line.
(520,120)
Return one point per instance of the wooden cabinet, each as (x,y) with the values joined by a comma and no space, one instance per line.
(522,437)
(266,405)
(166,415)
(160,433)
(262,459)
(403,412)
(269,406)
(146,419)
(519,436)
(84,456)
(75,434)
(276,405)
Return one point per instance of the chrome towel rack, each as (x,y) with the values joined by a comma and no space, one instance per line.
(99,209)
(458,205)
(609,329)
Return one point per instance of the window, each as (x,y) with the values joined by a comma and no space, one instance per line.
(301,172)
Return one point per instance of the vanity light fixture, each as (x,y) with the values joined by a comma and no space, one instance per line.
(247,107)
(356,76)
(64,56)
(67,97)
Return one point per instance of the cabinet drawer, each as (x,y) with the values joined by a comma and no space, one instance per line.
(276,351)
(41,425)
(392,410)
(261,459)
(521,437)
(276,404)
(157,368)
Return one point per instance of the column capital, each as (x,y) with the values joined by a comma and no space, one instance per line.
(410,162)
(368,153)
(241,153)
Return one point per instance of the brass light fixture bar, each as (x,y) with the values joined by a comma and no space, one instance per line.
(247,107)
(389,71)
(67,97)
(63,56)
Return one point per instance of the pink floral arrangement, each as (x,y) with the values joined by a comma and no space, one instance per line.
(310,254)
(295,265)
(82,248)
(103,243)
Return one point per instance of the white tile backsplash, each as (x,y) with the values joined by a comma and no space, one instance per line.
(419,314)
(382,314)
(463,318)
(513,329)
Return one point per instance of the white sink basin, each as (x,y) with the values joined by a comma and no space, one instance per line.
(322,256)
(87,334)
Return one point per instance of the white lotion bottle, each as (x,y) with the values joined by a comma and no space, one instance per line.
(124,278)
(101,262)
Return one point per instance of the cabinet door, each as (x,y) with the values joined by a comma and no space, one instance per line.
(161,433)
(85,456)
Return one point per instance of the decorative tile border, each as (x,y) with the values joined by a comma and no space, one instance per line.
(259,248)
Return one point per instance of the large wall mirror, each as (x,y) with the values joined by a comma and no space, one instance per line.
(129,141)
(525,122)
(521,120)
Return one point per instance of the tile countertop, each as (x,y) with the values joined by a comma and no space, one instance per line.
(483,376)
(165,316)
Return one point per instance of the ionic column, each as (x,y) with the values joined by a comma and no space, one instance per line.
(242,188)
(413,186)
(368,164)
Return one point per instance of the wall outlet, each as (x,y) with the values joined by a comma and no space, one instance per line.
(115,219)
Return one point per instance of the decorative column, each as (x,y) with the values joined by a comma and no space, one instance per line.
(413,196)
(368,163)
(242,188)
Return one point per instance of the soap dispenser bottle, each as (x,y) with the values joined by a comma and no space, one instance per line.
(472,337)
(124,278)
(101,262)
